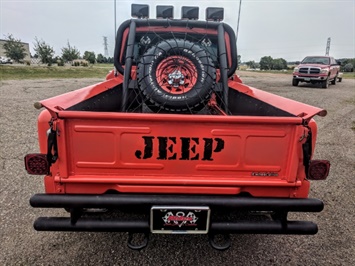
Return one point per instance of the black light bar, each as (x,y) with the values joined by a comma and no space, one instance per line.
(165,12)
(139,11)
(189,12)
(214,13)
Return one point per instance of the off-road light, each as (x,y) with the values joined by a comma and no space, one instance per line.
(36,164)
(139,11)
(214,13)
(189,12)
(165,12)
(318,169)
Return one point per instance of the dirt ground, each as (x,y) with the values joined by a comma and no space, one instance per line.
(334,244)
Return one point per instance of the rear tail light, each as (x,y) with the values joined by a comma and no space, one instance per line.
(36,164)
(318,169)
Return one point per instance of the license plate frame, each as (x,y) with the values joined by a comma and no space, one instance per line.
(180,219)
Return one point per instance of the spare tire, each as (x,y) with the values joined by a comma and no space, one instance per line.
(176,76)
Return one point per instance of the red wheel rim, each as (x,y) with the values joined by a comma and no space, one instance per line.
(176,74)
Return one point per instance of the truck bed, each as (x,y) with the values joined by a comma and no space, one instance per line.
(102,149)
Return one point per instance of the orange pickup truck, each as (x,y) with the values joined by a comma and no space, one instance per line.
(172,142)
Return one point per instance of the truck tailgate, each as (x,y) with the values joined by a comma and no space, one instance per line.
(178,149)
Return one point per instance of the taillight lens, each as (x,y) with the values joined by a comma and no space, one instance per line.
(36,164)
(318,169)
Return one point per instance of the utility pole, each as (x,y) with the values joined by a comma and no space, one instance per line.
(328,47)
(240,8)
(114,10)
(105,45)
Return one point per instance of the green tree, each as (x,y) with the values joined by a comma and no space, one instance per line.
(266,63)
(70,53)
(90,57)
(251,64)
(101,59)
(349,67)
(110,60)
(346,64)
(279,64)
(44,51)
(14,48)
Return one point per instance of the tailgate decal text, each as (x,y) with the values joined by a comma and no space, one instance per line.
(167,148)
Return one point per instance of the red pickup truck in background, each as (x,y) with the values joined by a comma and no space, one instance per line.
(317,69)
(174,139)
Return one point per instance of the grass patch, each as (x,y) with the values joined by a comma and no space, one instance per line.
(346,75)
(16,72)
(104,65)
(270,71)
(349,75)
(8,72)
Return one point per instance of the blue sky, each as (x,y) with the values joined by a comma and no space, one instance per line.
(291,29)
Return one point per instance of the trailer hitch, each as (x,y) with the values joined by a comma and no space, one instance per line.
(219,242)
(131,242)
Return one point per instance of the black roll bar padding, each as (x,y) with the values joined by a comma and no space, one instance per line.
(128,64)
(174,23)
(222,54)
(118,45)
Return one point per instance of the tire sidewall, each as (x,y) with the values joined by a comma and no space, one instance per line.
(192,99)
(325,84)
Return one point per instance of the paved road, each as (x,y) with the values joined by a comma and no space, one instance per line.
(333,245)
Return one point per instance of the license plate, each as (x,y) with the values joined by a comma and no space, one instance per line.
(307,79)
(179,220)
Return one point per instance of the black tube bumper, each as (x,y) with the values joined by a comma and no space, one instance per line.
(147,200)
(136,226)
(280,206)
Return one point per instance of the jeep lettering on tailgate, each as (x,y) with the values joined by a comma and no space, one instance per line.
(167,150)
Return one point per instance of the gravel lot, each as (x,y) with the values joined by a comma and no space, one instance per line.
(20,244)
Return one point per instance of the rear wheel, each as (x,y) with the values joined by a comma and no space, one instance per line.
(340,79)
(295,82)
(334,81)
(176,76)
